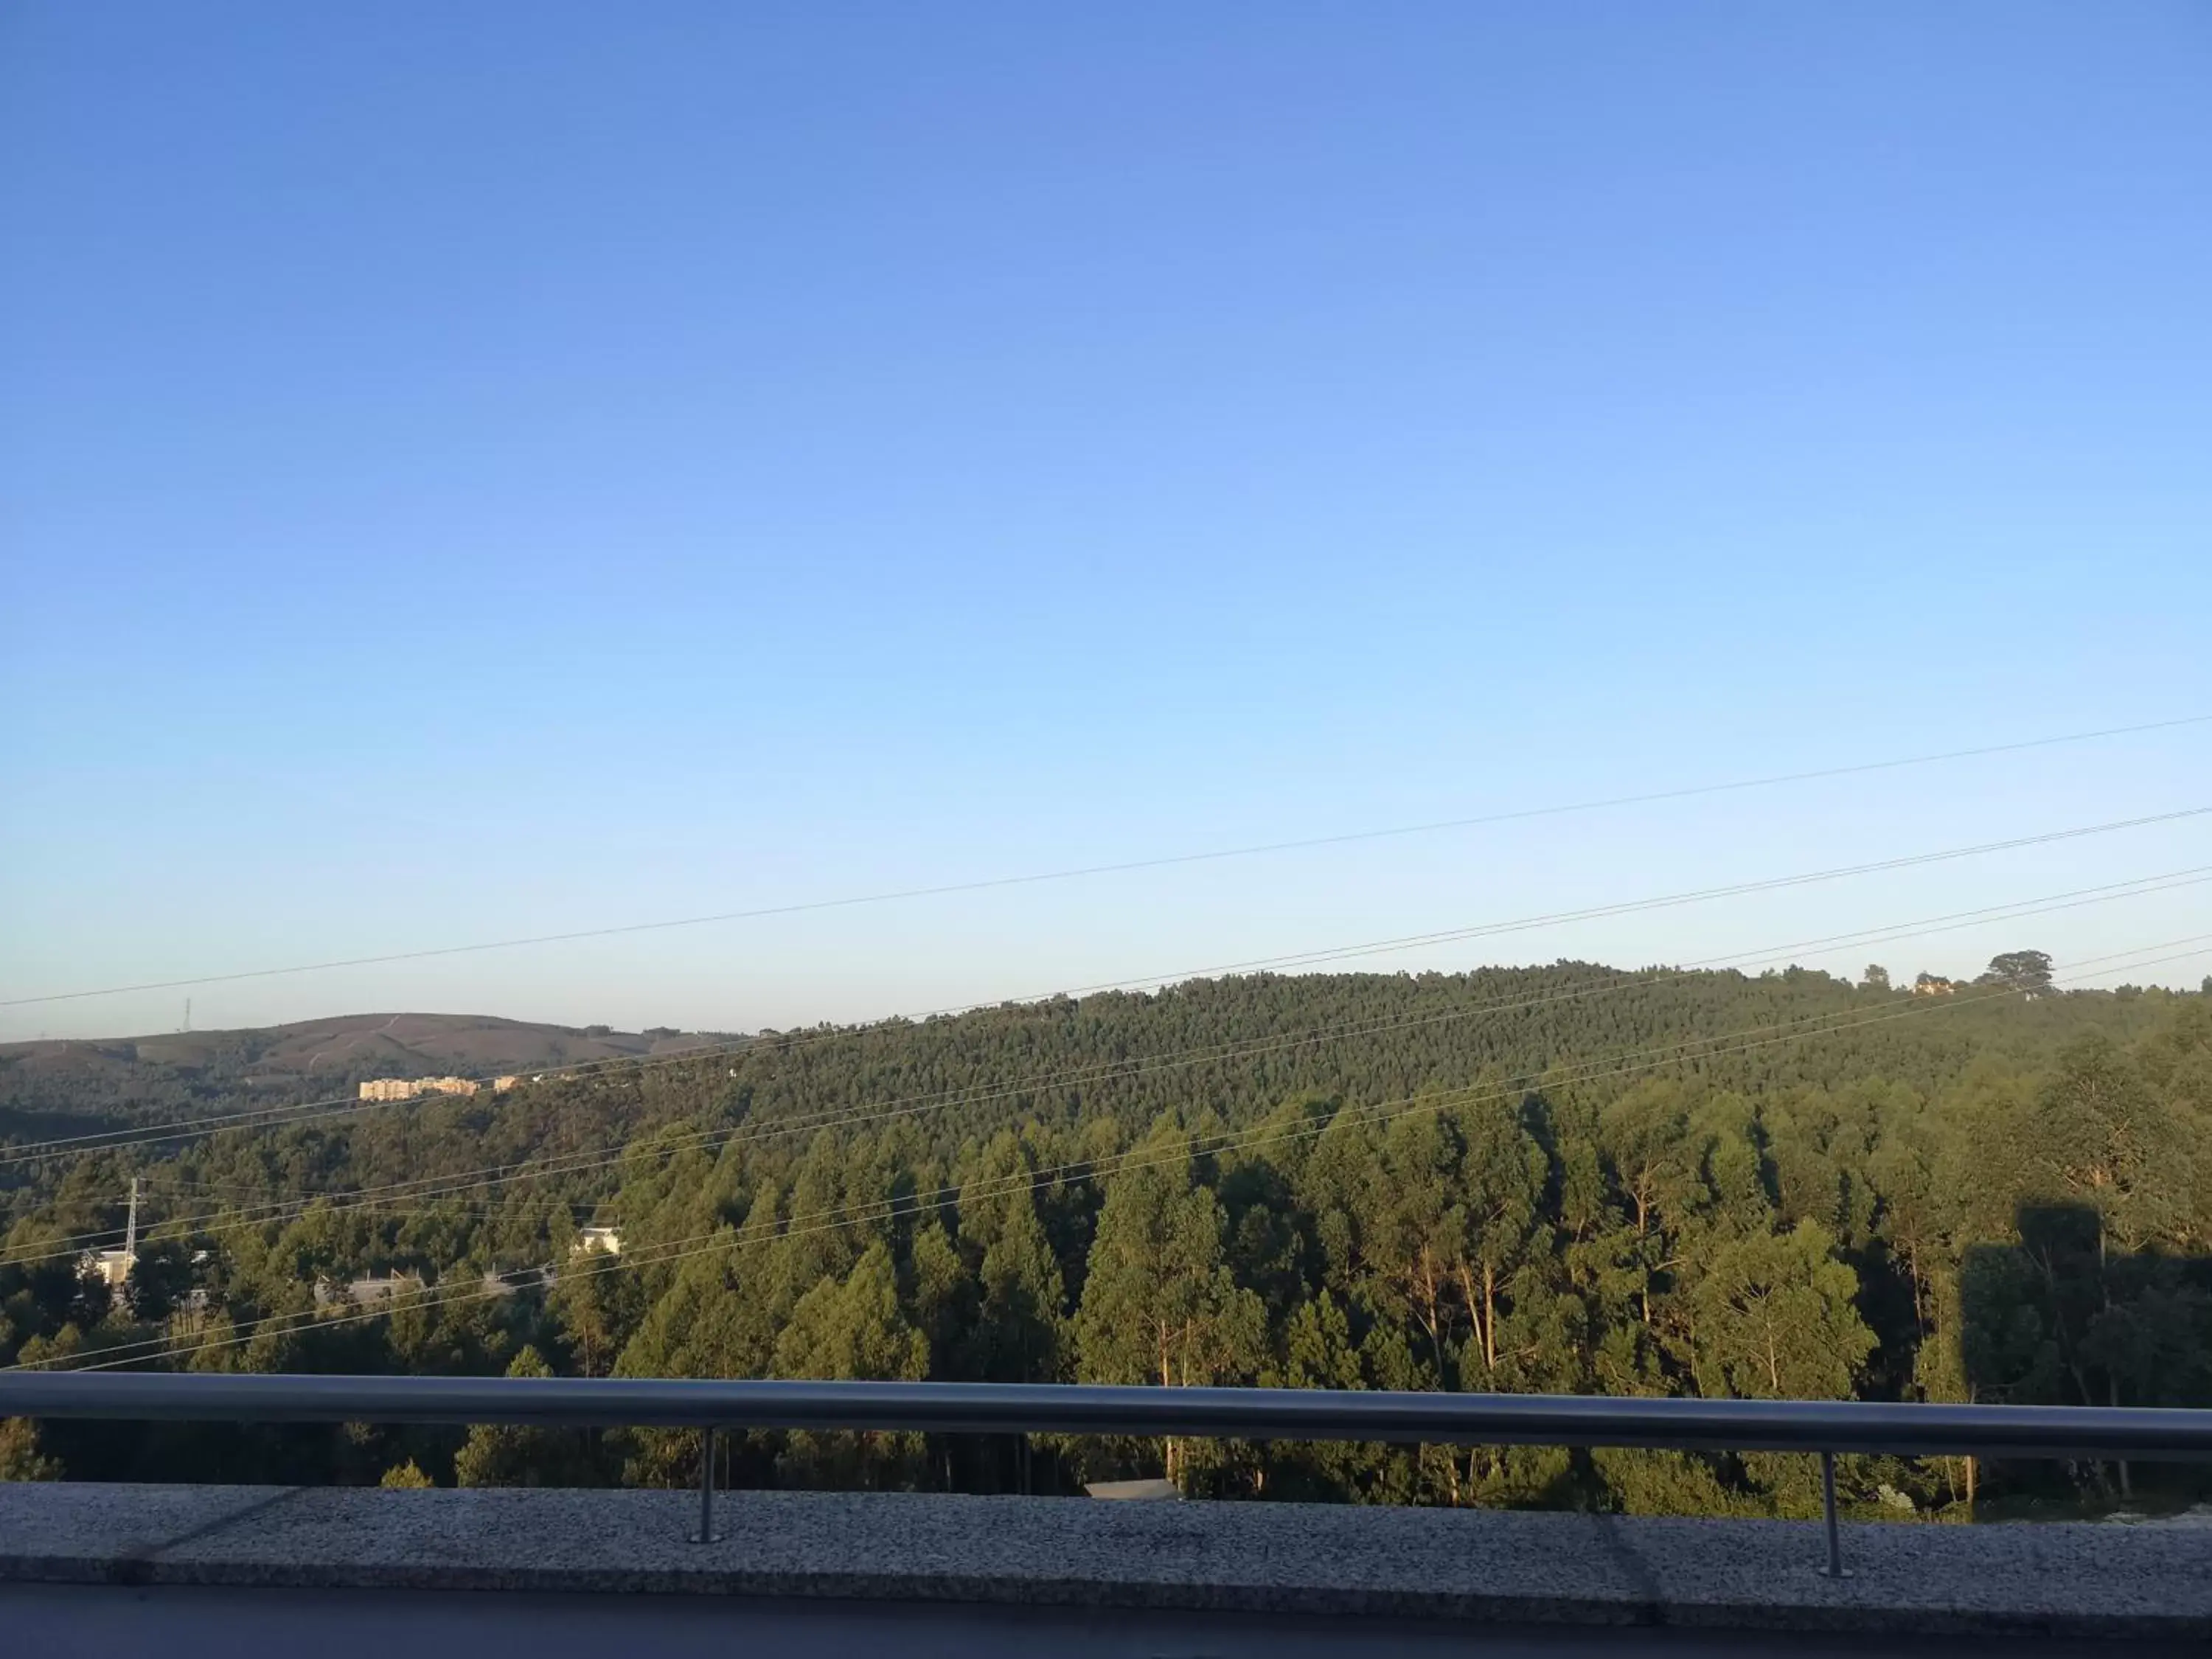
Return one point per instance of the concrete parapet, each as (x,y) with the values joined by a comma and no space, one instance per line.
(2073,1580)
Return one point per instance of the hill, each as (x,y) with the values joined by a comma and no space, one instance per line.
(147,1078)
(1567,1179)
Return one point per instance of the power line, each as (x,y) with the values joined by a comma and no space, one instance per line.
(830,1220)
(1122,867)
(433,1188)
(833,1220)
(385,1199)
(1071,1174)
(340,1106)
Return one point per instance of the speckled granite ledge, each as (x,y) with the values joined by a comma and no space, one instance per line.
(1260,1558)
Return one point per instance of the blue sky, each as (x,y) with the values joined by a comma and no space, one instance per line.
(495,470)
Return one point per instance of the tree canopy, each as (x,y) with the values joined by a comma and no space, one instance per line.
(1567,1179)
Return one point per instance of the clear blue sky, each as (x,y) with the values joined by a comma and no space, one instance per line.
(475,469)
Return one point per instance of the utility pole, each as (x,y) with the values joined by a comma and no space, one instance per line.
(131,1230)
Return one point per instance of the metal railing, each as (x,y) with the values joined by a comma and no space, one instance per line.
(1820,1428)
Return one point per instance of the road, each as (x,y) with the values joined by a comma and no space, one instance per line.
(90,1622)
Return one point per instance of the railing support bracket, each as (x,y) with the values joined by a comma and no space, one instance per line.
(1835,1568)
(707,1535)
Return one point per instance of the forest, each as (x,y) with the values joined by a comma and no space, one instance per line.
(1566,1179)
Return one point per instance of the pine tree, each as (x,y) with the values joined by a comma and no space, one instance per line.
(19,1457)
(522,1455)
(1502,1180)
(1159,1302)
(1022,1326)
(944,1298)
(1777,1319)
(854,1328)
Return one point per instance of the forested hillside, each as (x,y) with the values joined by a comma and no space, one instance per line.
(1565,1179)
(181,1074)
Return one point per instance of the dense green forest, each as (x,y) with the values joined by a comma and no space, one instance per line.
(1565,1179)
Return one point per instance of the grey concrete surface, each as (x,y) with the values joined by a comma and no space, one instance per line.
(1242,1559)
(80,1621)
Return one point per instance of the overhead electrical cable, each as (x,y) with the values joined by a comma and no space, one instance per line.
(338,1106)
(1120,867)
(387,1199)
(728,1238)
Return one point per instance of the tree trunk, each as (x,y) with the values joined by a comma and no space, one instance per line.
(1477,1315)
(1489,1316)
(1643,1231)
(1168,1457)
(1912,1266)
(1433,1319)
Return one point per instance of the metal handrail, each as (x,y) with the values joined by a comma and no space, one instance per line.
(1804,1426)
(1818,1426)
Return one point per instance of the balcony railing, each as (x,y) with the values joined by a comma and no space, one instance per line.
(1819,1428)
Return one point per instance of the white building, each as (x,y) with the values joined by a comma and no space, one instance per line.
(367,1292)
(113,1267)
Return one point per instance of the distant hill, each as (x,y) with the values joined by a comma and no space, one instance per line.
(152,1077)
(1557,1179)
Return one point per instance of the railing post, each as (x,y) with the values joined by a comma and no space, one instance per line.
(1835,1568)
(707,1535)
